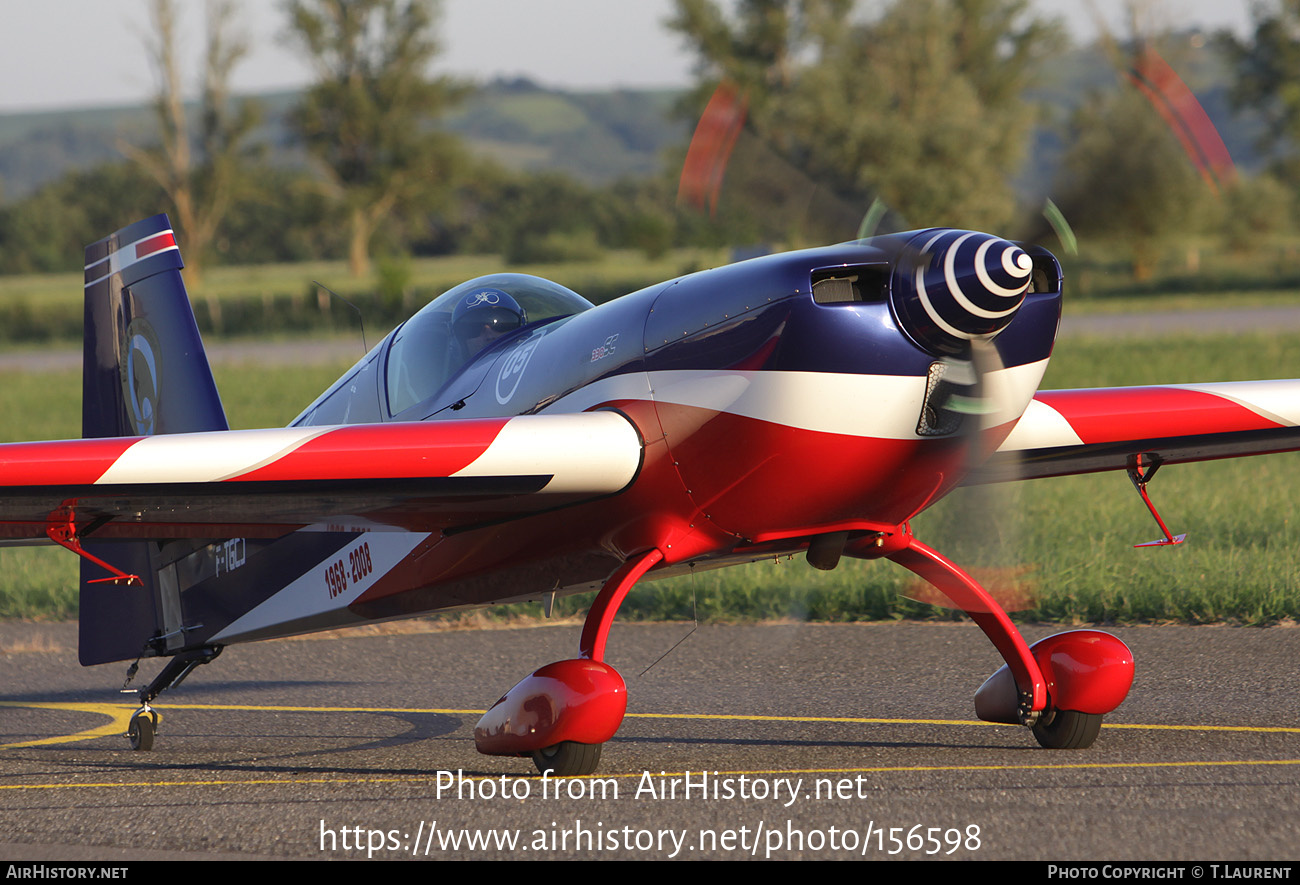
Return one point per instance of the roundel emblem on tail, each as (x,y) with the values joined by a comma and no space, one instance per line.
(141,367)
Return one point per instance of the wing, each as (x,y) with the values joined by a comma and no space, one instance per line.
(266,483)
(1066,432)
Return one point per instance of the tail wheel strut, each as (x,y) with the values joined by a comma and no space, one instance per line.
(143,726)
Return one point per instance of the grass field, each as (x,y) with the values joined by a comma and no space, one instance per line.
(295,299)
(431,274)
(284,298)
(40,582)
(1063,546)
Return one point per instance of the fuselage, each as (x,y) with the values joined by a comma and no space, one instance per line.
(778,399)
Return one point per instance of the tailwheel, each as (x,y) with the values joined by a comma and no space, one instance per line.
(568,759)
(1067,729)
(141,731)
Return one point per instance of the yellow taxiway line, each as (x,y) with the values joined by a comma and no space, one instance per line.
(119,716)
(754,772)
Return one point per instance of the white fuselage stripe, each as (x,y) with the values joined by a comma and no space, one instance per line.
(875,406)
(309,595)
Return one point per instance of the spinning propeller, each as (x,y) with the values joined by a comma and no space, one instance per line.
(952,293)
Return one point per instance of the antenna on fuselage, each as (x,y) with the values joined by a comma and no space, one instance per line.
(360,318)
(695,625)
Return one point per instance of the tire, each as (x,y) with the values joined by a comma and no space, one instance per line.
(1068,730)
(568,759)
(140,732)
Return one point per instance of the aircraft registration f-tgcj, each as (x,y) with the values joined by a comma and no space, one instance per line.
(511,441)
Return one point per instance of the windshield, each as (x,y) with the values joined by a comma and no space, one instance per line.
(432,346)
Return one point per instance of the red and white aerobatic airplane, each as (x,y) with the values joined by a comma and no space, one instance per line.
(512,442)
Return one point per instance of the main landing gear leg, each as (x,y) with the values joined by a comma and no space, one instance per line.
(562,714)
(144,722)
(1060,687)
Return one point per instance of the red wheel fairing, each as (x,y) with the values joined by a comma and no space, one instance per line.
(575,700)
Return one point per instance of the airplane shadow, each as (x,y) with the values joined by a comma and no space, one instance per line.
(178,695)
(310,762)
(819,744)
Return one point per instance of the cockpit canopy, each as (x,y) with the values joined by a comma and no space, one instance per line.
(427,350)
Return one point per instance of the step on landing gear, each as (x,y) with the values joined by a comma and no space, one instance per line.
(562,714)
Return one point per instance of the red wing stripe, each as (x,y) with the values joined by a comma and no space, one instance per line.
(72,462)
(384,451)
(595,453)
(1134,413)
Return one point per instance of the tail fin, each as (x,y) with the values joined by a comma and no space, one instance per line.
(144,372)
(144,369)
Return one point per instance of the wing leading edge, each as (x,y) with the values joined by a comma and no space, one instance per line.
(412,476)
(1066,432)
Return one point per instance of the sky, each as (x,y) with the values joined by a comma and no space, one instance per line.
(60,54)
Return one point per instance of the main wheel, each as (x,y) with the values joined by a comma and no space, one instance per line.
(1068,730)
(568,759)
(141,731)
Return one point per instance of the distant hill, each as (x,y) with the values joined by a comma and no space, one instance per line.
(600,136)
(594,136)
(38,147)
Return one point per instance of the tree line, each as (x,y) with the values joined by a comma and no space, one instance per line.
(857,117)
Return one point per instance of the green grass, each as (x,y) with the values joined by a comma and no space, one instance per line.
(1063,547)
(41,582)
(1219,300)
(1067,541)
(282,299)
(434,274)
(1066,545)
(1176,359)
